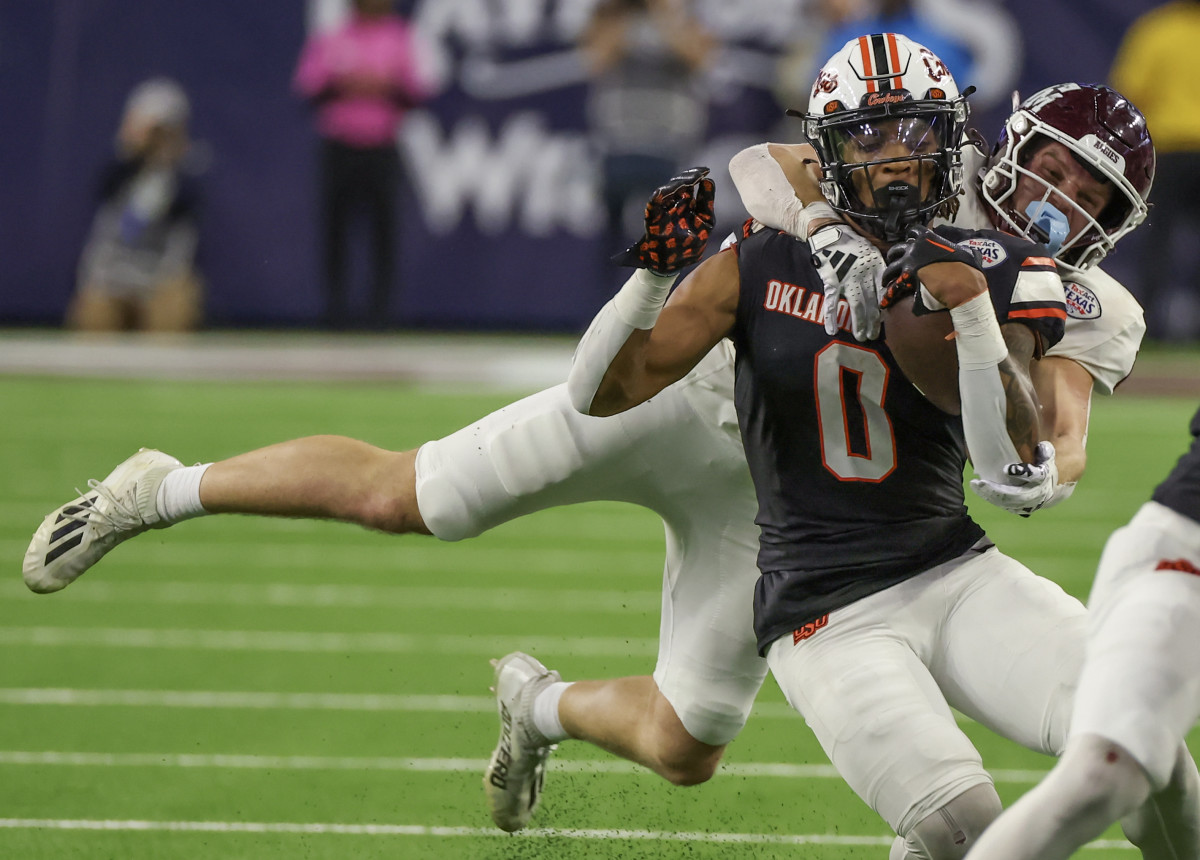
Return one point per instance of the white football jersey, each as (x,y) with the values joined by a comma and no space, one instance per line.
(1105,323)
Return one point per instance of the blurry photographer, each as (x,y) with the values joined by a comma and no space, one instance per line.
(647,105)
(137,270)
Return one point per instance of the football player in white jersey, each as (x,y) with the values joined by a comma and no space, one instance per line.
(534,454)
(1143,641)
(1073,168)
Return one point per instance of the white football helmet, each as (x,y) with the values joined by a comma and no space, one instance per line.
(879,89)
(1106,134)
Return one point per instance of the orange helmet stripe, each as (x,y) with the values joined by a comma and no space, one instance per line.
(894,54)
(864,48)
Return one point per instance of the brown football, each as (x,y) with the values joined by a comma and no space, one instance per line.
(925,355)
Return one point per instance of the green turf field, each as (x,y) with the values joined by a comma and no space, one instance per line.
(245,688)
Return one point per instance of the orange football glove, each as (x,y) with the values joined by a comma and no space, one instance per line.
(679,220)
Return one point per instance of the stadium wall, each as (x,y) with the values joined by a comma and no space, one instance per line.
(500,217)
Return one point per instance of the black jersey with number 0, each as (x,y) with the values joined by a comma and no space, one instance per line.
(859,477)
(1181,490)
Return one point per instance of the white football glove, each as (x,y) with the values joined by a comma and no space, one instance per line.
(1031,487)
(851,268)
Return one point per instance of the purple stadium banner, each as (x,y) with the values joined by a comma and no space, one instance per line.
(501,219)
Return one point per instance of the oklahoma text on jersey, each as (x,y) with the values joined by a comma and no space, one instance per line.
(791,299)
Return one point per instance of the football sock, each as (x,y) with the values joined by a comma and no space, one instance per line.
(545,712)
(179,494)
(1167,825)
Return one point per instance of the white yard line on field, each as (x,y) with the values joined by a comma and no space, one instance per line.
(257,700)
(249,700)
(309,828)
(265,700)
(340,643)
(423,765)
(279,594)
(643,563)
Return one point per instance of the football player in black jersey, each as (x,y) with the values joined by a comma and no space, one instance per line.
(881,604)
(1139,693)
(1073,166)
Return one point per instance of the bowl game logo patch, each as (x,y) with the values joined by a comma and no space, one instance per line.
(992,252)
(1082,303)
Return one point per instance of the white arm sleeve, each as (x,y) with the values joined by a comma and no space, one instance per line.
(981,348)
(635,306)
(768,196)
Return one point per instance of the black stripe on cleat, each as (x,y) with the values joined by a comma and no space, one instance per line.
(75,509)
(65,546)
(61,533)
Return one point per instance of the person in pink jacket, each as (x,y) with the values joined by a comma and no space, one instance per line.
(361,78)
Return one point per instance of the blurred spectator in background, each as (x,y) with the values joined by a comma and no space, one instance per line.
(850,19)
(647,106)
(1156,70)
(361,77)
(979,39)
(137,270)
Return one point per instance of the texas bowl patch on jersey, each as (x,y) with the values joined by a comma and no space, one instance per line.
(992,252)
(1082,303)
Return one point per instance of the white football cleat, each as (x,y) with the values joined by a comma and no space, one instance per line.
(77,535)
(514,776)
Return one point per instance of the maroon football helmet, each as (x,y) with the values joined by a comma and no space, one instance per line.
(1106,134)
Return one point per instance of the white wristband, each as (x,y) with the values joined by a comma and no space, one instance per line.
(1062,492)
(977,334)
(823,238)
(641,299)
(928,300)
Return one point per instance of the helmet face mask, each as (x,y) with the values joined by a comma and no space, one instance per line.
(1028,187)
(1105,137)
(887,121)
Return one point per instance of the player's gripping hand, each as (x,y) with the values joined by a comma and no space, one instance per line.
(679,219)
(921,248)
(1031,487)
(850,268)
